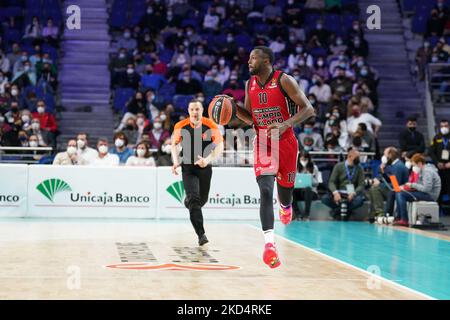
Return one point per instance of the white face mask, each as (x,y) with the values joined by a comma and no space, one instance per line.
(103,149)
(166,148)
(444,130)
(384,159)
(304,163)
(119,143)
(416,169)
(14,92)
(157,125)
(35,126)
(40,110)
(140,153)
(140,122)
(163,117)
(408,164)
(2,119)
(25,118)
(33,144)
(81,143)
(71,150)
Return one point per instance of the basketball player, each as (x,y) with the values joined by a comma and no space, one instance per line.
(194,135)
(273,104)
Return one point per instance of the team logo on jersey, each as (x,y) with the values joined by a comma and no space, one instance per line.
(273,84)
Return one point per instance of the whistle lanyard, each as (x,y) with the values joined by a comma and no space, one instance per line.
(350,176)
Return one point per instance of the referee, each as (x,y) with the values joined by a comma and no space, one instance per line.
(201,142)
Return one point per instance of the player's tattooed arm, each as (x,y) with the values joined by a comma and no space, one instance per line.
(245,113)
(292,89)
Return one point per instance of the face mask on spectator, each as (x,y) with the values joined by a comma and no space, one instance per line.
(308,130)
(71,150)
(25,118)
(33,144)
(319,26)
(360,63)
(320,63)
(24,58)
(119,143)
(444,130)
(163,117)
(200,51)
(336,114)
(299,49)
(304,163)
(130,70)
(157,125)
(23,138)
(140,121)
(149,10)
(416,169)
(166,148)
(81,144)
(35,126)
(222,62)
(201,99)
(126,35)
(307,148)
(186,78)
(384,160)
(1,78)
(339,42)
(140,153)
(26,68)
(408,164)
(426,44)
(301,62)
(121,55)
(14,92)
(40,110)
(2,119)
(364,72)
(103,149)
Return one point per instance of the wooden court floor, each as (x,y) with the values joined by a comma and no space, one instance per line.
(160,260)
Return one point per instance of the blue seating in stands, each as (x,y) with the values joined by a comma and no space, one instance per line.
(121,97)
(243,40)
(166,55)
(181,101)
(49,102)
(164,95)
(347,21)
(118,19)
(190,22)
(260,4)
(261,28)
(419,23)
(12,35)
(311,20)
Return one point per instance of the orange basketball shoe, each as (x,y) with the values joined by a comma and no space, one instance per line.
(270,256)
(285,214)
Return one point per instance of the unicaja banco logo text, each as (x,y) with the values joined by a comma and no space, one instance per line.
(176,190)
(50,187)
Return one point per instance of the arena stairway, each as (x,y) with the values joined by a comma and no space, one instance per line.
(84,78)
(397,92)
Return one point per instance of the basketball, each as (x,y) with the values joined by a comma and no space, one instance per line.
(222,109)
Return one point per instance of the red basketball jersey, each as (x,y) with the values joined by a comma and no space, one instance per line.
(269,103)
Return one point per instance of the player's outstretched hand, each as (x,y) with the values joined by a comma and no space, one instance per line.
(275,130)
(201,162)
(174,169)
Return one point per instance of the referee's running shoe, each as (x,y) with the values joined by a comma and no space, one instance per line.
(202,240)
(270,256)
